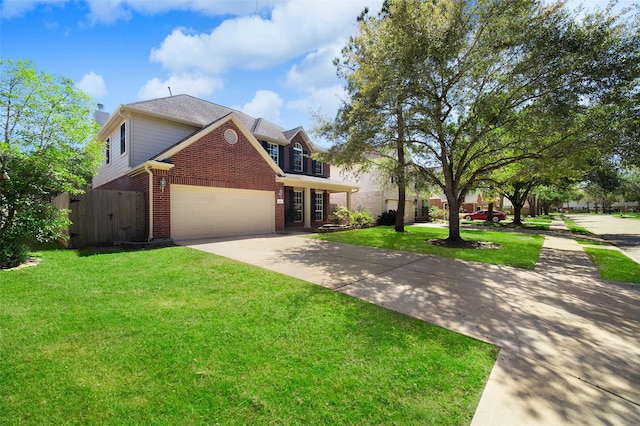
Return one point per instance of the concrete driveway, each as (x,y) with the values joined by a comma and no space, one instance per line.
(623,233)
(570,343)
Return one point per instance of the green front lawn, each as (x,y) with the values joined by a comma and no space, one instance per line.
(537,220)
(630,215)
(519,250)
(575,228)
(177,336)
(614,265)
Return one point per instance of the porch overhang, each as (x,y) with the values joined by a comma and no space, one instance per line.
(325,184)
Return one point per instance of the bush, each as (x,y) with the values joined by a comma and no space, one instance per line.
(435,213)
(342,216)
(362,219)
(12,254)
(387,218)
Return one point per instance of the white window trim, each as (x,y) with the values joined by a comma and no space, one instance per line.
(298,153)
(273,148)
(123,143)
(298,207)
(319,208)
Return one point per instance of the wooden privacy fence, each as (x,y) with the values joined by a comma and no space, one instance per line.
(101,217)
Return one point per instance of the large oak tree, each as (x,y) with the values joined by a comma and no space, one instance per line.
(441,86)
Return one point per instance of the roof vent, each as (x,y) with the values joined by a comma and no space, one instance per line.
(230,136)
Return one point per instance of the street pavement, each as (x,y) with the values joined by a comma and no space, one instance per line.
(624,233)
(570,342)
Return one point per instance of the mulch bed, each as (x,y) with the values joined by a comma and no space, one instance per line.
(464,244)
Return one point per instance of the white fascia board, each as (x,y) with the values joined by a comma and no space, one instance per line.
(153,165)
(302,181)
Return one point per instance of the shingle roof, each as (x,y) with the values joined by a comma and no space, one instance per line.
(201,112)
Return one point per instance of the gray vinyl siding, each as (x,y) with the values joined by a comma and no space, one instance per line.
(119,164)
(152,136)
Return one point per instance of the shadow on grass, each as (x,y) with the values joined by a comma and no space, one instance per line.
(559,324)
(95,250)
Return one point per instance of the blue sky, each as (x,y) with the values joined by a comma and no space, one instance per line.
(268,58)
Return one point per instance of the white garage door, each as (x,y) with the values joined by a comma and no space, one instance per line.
(202,212)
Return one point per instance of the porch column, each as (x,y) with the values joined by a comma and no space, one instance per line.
(307,208)
(348,200)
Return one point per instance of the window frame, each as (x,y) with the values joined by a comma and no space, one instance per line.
(297,158)
(298,206)
(319,206)
(271,149)
(123,138)
(319,168)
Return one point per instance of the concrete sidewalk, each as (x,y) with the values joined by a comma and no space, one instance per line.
(570,343)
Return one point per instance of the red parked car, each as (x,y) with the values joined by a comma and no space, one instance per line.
(483,214)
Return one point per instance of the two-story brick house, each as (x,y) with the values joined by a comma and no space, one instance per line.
(211,171)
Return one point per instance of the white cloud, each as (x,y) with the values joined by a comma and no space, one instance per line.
(316,69)
(323,100)
(16,8)
(208,7)
(194,85)
(111,11)
(93,85)
(252,42)
(265,104)
(108,12)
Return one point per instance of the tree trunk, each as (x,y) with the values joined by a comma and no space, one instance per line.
(533,208)
(402,195)
(490,213)
(454,222)
(518,197)
(401,171)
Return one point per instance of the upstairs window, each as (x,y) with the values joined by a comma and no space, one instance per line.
(123,142)
(297,158)
(318,170)
(107,152)
(273,150)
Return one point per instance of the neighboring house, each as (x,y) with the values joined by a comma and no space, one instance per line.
(378,194)
(472,202)
(210,171)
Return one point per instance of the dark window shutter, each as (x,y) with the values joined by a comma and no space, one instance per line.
(325,207)
(305,165)
(313,166)
(291,155)
(264,145)
(280,155)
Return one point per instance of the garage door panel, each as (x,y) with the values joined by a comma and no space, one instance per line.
(202,212)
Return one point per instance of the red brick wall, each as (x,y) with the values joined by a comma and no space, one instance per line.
(436,202)
(161,205)
(211,161)
(280,208)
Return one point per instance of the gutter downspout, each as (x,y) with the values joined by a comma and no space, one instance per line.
(148,170)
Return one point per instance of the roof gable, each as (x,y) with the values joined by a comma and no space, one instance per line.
(179,146)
